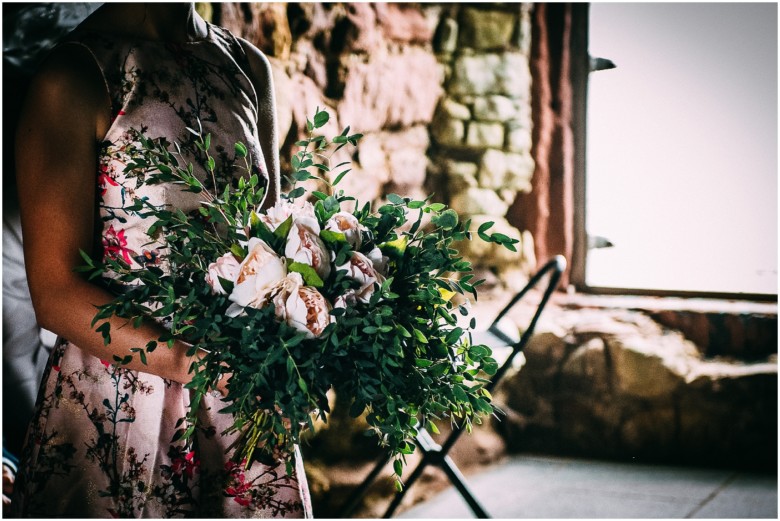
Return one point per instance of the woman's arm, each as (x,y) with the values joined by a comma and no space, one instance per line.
(262,79)
(65,115)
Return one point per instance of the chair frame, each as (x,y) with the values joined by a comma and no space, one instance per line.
(435,454)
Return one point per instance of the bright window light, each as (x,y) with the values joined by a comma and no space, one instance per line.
(682,147)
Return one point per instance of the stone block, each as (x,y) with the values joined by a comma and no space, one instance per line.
(586,367)
(403,23)
(415,137)
(398,158)
(454,109)
(649,368)
(504,74)
(486,29)
(502,170)
(485,135)
(479,201)
(461,175)
(495,108)
(448,131)
(652,430)
(493,169)
(408,167)
(390,89)
(519,140)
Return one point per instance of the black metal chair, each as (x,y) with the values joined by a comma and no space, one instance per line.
(432,452)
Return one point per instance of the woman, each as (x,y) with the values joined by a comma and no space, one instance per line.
(103,441)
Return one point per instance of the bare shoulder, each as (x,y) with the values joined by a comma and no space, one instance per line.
(69,83)
(71,71)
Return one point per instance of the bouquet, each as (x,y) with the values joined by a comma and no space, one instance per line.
(317,293)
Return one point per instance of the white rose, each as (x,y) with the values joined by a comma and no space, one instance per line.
(225,267)
(301,307)
(361,269)
(259,271)
(379,260)
(304,245)
(346,223)
(282,211)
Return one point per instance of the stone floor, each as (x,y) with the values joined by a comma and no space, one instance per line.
(554,487)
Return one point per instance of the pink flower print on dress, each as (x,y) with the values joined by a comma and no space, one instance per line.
(185,465)
(104,180)
(237,487)
(115,245)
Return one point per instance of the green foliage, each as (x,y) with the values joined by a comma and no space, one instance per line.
(400,357)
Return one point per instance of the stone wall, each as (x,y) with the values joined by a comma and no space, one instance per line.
(441,93)
(481,131)
(616,383)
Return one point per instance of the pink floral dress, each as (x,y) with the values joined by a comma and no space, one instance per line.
(103,441)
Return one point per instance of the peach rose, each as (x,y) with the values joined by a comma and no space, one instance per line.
(301,307)
(225,267)
(304,245)
(346,223)
(360,268)
(259,271)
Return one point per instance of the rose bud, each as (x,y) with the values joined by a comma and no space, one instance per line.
(225,267)
(360,268)
(379,260)
(346,223)
(304,245)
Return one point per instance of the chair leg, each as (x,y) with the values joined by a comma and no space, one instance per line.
(458,481)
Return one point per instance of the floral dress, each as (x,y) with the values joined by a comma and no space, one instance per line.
(104,441)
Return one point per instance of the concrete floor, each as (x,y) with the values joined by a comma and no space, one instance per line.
(551,487)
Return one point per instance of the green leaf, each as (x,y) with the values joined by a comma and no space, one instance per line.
(238,251)
(395,198)
(241,150)
(421,362)
(310,277)
(446,220)
(398,467)
(321,118)
(341,176)
(483,228)
(283,229)
(331,236)
(419,336)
